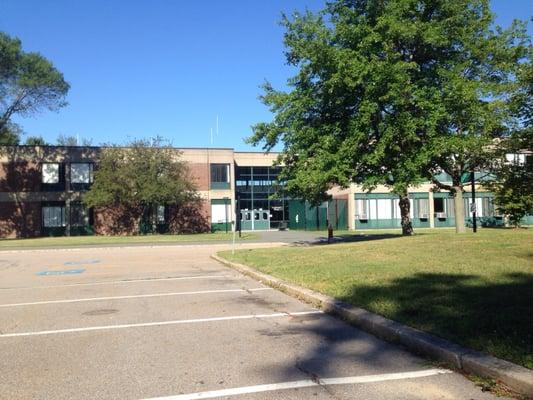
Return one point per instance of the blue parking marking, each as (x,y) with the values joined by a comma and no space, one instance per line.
(81,262)
(61,272)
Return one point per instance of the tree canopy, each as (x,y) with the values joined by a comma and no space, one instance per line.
(29,83)
(140,177)
(72,140)
(390,92)
(36,141)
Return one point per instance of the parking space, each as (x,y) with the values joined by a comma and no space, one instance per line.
(169,322)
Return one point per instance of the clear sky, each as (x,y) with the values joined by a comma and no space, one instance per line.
(141,68)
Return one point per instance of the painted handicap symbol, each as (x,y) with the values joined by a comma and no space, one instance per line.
(61,272)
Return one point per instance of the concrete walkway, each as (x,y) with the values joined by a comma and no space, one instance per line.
(169,322)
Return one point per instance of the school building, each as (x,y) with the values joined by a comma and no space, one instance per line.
(41,189)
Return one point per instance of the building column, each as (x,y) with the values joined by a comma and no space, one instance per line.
(351,207)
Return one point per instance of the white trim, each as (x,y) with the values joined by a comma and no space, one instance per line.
(134,296)
(306,383)
(181,278)
(160,323)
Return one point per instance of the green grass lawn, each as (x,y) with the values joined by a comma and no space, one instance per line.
(76,241)
(473,289)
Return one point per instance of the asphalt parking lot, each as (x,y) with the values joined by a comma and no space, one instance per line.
(170,323)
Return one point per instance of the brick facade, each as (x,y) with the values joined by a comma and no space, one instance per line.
(23,195)
(19,220)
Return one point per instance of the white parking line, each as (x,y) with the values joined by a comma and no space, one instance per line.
(179,278)
(161,323)
(306,383)
(134,296)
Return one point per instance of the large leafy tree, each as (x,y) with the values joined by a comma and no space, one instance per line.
(476,77)
(513,178)
(140,177)
(384,90)
(513,167)
(29,83)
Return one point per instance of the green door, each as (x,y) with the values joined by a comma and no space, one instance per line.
(296,215)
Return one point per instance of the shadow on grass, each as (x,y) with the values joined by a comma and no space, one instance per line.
(349,238)
(494,317)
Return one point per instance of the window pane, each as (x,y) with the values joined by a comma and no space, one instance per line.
(50,173)
(384,209)
(423,208)
(78,214)
(161,214)
(53,217)
(438,205)
(220,173)
(80,172)
(219,213)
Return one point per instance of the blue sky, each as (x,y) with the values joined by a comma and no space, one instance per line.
(145,68)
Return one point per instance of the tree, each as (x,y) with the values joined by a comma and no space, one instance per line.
(29,83)
(513,177)
(10,134)
(480,75)
(513,180)
(71,140)
(388,92)
(141,177)
(35,141)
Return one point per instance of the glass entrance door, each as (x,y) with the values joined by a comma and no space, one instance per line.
(255,220)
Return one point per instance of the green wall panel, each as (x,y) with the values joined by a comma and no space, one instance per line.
(221,227)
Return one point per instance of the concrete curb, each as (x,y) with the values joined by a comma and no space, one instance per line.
(517,378)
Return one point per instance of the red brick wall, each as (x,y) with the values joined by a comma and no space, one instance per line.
(20,220)
(190,218)
(200,173)
(22,176)
(116,221)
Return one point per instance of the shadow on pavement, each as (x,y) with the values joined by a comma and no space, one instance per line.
(492,317)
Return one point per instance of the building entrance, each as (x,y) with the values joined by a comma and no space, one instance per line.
(255,220)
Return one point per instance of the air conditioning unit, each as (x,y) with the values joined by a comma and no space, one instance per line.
(363,217)
(424,216)
(440,215)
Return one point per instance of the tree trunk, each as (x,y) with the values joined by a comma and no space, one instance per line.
(405,208)
(459,209)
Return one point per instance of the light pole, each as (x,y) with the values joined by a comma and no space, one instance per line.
(473,207)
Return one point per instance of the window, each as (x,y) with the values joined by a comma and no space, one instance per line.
(221,213)
(78,215)
(160,214)
(438,205)
(53,216)
(81,173)
(384,208)
(220,173)
(362,209)
(50,173)
(423,208)
(516,159)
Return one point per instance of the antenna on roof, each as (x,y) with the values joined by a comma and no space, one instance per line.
(211,136)
(217,125)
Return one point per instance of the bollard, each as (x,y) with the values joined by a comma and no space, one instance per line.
(330,233)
